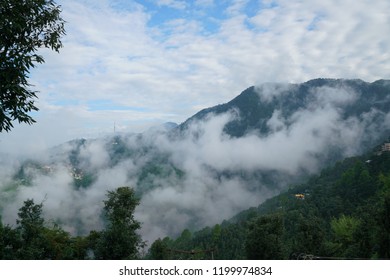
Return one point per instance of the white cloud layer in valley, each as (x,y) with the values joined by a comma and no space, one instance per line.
(129,65)
(219,175)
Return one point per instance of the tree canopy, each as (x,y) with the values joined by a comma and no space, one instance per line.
(25,27)
(34,238)
(120,239)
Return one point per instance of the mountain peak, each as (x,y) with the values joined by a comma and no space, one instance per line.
(257,104)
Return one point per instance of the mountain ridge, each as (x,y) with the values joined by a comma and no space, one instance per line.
(217,163)
(249,100)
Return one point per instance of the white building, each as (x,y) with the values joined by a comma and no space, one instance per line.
(386,147)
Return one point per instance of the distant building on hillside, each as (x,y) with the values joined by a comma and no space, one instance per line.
(386,147)
(299,196)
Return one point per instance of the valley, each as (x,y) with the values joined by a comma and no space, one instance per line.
(221,161)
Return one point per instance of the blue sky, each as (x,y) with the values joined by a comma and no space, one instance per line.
(142,63)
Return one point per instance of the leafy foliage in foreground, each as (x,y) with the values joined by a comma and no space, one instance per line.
(26,26)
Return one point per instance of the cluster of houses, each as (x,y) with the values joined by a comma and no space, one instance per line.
(385,148)
(73,171)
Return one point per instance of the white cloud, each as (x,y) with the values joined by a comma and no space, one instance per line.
(174,69)
(221,175)
(176,4)
(268,91)
(204,3)
(168,72)
(236,7)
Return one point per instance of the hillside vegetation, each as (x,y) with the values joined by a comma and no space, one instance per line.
(257,149)
(343,213)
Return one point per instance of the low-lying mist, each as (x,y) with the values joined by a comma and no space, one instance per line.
(194,178)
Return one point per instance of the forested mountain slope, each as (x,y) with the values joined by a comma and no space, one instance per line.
(216,164)
(256,105)
(342,213)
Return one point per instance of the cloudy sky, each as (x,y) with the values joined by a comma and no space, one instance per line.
(142,63)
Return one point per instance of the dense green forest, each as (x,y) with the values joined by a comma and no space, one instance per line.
(34,238)
(342,213)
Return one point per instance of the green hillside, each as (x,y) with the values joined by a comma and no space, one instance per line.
(256,105)
(343,213)
(265,142)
